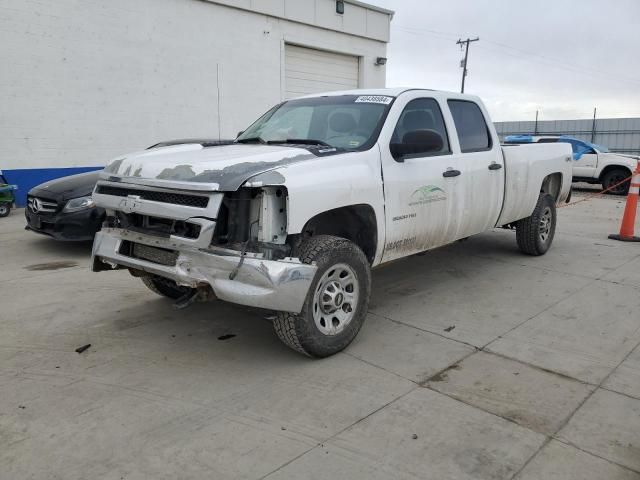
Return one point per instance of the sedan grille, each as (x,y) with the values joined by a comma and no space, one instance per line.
(156,196)
(40,205)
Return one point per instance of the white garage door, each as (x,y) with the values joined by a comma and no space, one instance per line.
(312,71)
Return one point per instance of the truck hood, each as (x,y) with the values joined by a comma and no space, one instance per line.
(222,168)
(632,157)
(629,160)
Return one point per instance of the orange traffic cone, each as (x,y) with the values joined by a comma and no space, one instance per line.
(629,217)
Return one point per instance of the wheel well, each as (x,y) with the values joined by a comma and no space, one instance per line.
(356,223)
(552,184)
(610,168)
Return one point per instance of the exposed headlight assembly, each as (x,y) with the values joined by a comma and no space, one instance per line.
(76,204)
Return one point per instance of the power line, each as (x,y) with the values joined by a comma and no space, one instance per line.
(426,30)
(531,56)
(466,57)
(561,63)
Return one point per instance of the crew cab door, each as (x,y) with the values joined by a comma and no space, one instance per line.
(482,165)
(420,202)
(587,165)
(444,192)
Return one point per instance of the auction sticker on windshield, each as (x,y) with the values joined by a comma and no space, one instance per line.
(374,99)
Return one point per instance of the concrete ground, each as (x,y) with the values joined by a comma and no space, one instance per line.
(475,362)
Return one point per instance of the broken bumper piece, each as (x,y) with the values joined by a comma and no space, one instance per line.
(272,284)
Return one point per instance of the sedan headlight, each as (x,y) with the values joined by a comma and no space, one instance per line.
(76,204)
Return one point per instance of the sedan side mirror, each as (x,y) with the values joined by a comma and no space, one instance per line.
(416,143)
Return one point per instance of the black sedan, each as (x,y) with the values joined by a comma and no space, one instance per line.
(63,208)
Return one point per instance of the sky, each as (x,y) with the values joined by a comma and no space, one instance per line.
(561,57)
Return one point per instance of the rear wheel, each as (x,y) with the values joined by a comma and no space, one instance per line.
(535,234)
(165,287)
(5,209)
(615,177)
(337,301)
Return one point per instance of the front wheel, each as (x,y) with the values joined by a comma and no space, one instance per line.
(165,287)
(337,301)
(5,209)
(614,180)
(535,234)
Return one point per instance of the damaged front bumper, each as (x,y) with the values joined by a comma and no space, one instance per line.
(273,284)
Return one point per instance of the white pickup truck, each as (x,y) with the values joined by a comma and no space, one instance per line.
(294,213)
(592,163)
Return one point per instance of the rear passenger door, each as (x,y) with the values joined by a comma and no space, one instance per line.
(482,167)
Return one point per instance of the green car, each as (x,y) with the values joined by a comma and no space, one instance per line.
(6,196)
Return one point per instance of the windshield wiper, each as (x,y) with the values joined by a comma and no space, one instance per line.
(300,141)
(252,140)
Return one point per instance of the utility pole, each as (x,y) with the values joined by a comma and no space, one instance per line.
(535,130)
(593,127)
(466,56)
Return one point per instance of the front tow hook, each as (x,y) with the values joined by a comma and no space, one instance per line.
(201,294)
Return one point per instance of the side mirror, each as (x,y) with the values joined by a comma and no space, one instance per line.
(417,142)
(240,133)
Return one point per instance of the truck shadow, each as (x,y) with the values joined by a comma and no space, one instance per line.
(207,331)
(58,247)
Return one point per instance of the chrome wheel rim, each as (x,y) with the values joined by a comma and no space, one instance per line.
(544,229)
(335,299)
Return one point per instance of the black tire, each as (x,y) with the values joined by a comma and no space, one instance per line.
(300,331)
(5,209)
(613,177)
(165,287)
(535,234)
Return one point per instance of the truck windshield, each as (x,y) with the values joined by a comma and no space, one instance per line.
(350,122)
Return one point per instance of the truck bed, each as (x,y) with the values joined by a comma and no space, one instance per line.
(526,167)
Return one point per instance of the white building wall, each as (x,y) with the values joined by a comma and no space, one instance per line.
(86,80)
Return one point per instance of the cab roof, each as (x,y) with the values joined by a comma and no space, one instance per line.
(390,92)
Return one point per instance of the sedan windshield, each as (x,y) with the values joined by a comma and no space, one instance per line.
(349,122)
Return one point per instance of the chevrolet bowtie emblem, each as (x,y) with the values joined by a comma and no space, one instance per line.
(130,204)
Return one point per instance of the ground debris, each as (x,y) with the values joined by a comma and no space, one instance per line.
(443,376)
(448,329)
(51,266)
(414,436)
(227,336)
(439,377)
(83,348)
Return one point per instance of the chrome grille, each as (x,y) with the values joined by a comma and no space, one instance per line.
(40,205)
(185,199)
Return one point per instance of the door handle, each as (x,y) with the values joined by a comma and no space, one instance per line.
(451,173)
(495,166)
